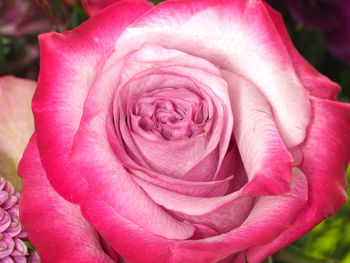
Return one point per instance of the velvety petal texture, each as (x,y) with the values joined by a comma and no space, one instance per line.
(180,133)
(55,227)
(16,124)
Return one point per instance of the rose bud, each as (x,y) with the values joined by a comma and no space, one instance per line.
(192,131)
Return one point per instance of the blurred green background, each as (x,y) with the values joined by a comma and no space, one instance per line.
(329,241)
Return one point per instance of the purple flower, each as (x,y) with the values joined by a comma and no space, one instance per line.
(332,17)
(21,17)
(12,248)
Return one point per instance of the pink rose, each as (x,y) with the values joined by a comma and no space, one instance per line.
(192,131)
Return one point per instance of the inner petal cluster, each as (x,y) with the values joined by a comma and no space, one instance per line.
(170,113)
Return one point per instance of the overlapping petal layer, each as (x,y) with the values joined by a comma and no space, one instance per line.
(55,227)
(226,34)
(68,59)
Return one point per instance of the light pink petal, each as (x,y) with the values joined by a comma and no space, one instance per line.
(69,66)
(96,162)
(266,159)
(16,124)
(161,67)
(236,36)
(274,213)
(204,189)
(317,84)
(221,214)
(55,227)
(326,156)
(137,244)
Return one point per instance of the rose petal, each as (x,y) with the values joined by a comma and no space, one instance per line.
(136,244)
(215,31)
(219,213)
(115,185)
(326,156)
(70,58)
(266,159)
(55,226)
(317,84)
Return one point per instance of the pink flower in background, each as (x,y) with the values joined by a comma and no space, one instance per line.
(192,131)
(12,248)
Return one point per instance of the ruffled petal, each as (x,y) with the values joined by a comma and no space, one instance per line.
(69,66)
(55,226)
(274,213)
(326,156)
(216,31)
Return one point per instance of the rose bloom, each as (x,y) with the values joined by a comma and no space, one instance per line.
(192,131)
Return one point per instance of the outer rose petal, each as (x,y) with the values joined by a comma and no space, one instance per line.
(326,156)
(137,244)
(16,124)
(68,59)
(92,7)
(317,84)
(55,226)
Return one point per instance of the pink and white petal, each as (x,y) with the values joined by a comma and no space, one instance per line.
(326,156)
(55,226)
(221,214)
(139,245)
(215,31)
(69,66)
(95,160)
(132,242)
(16,124)
(274,213)
(162,67)
(266,159)
(317,84)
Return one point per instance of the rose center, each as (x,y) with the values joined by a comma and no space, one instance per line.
(173,113)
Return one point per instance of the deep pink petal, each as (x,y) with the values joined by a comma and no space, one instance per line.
(132,242)
(69,65)
(16,124)
(215,31)
(326,156)
(55,226)
(92,7)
